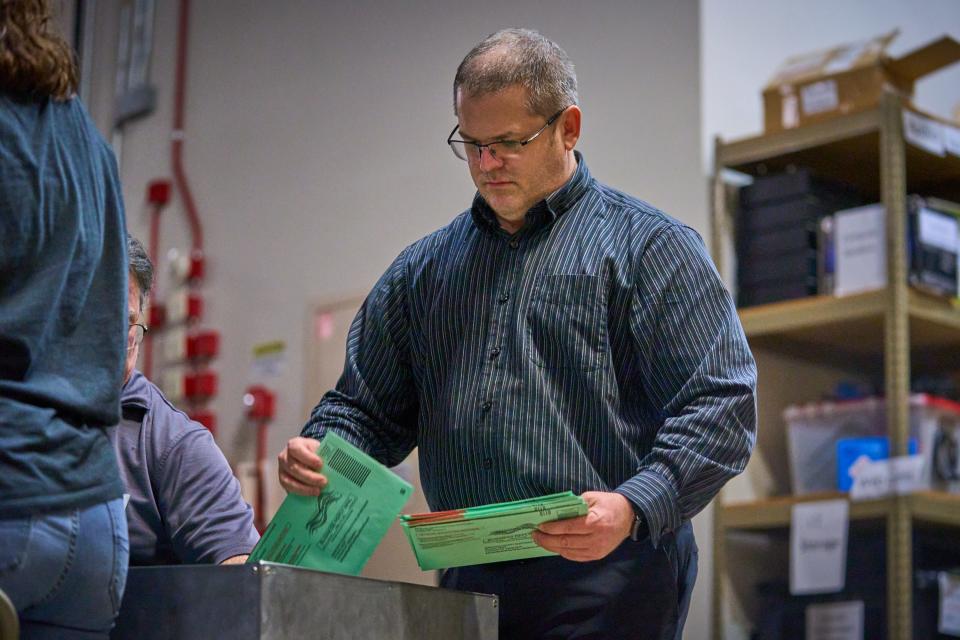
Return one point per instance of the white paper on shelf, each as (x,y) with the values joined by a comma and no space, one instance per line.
(819,97)
(860,249)
(924,133)
(835,621)
(900,476)
(906,475)
(951,139)
(948,622)
(938,229)
(818,546)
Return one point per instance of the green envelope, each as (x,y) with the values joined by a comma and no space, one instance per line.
(488,533)
(338,530)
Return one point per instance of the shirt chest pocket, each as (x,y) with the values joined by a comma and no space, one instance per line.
(567,323)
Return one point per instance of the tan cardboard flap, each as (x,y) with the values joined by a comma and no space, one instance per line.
(927,59)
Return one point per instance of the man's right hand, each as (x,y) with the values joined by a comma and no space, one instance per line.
(298,466)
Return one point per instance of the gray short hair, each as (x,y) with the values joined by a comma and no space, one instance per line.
(519,57)
(141,269)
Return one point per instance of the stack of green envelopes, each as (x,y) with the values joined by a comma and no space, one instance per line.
(489,533)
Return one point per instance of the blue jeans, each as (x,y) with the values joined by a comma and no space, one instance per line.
(65,571)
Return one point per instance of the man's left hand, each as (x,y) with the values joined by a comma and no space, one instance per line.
(592,536)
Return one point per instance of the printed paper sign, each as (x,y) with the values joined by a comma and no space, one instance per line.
(819,97)
(951,139)
(938,229)
(949,620)
(818,547)
(861,254)
(924,133)
(835,621)
(873,479)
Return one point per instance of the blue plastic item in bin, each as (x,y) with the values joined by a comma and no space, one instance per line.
(849,451)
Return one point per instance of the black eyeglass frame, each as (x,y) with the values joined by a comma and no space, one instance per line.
(136,342)
(489,145)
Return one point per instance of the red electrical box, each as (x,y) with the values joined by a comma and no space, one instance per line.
(158,192)
(260,403)
(203,345)
(157,316)
(185,306)
(200,385)
(207,418)
(198,266)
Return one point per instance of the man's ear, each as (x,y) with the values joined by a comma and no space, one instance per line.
(569,127)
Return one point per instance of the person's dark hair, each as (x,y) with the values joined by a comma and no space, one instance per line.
(141,269)
(35,62)
(519,57)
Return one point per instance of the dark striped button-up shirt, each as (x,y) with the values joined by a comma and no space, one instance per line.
(596,349)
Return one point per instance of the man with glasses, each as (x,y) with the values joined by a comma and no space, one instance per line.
(184,505)
(557,335)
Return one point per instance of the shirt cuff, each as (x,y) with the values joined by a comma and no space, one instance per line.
(656,499)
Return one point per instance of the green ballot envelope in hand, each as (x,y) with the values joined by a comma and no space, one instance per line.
(338,530)
(490,533)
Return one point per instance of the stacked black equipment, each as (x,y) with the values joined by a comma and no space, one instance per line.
(776,235)
(933,261)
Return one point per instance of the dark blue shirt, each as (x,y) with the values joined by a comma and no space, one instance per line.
(63,308)
(594,350)
(185,505)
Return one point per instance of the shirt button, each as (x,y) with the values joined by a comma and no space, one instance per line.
(494,352)
(504,297)
(514,244)
(486,405)
(487,463)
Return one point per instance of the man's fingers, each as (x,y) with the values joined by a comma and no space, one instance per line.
(304,451)
(292,485)
(304,474)
(563,542)
(574,526)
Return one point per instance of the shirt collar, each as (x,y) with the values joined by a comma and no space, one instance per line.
(545,211)
(135,392)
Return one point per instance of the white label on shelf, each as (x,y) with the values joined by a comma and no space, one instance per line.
(938,229)
(860,250)
(906,475)
(923,133)
(951,139)
(835,621)
(949,620)
(818,546)
(819,97)
(871,479)
(899,476)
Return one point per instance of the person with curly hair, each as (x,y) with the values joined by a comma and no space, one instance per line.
(63,327)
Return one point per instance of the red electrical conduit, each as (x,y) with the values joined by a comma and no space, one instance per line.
(179,175)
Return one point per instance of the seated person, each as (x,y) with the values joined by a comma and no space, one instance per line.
(185,504)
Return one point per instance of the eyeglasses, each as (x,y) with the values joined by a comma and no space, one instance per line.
(135,335)
(502,149)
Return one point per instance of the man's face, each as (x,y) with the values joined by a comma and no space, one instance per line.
(135,314)
(511,186)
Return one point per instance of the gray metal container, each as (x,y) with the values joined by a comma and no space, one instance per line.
(266,601)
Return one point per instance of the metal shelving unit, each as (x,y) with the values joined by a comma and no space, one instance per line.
(889,330)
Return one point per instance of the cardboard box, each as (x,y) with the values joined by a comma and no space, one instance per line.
(818,86)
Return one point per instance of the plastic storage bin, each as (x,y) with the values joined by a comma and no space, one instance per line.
(813,430)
